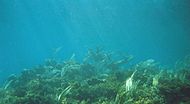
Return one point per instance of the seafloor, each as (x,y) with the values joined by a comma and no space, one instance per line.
(100,78)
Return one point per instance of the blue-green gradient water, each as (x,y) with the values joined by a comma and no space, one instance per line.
(34,30)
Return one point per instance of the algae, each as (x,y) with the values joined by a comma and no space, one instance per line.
(99,79)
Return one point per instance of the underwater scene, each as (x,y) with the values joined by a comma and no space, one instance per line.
(94,52)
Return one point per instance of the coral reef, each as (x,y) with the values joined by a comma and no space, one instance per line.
(99,79)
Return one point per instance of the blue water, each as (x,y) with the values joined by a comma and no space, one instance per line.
(34,30)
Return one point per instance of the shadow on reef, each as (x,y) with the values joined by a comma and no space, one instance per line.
(99,79)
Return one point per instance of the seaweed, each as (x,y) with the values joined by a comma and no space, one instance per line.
(99,79)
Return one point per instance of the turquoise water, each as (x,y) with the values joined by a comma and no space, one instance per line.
(34,30)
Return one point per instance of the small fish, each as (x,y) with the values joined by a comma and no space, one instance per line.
(56,50)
